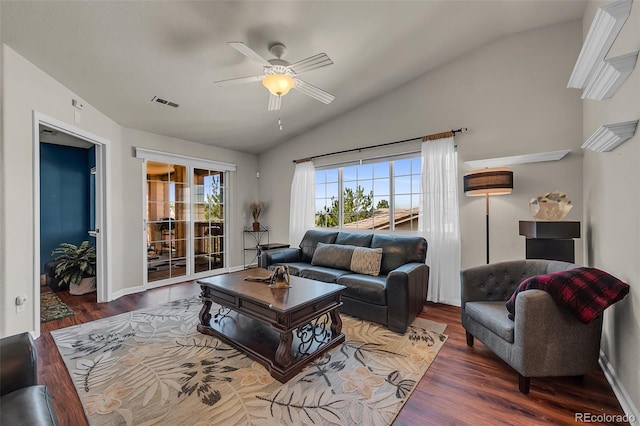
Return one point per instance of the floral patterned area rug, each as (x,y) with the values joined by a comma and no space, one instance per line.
(152,367)
(52,308)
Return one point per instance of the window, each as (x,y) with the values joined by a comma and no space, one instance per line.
(381,195)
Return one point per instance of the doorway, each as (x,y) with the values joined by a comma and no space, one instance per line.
(92,223)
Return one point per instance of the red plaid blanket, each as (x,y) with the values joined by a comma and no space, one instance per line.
(586,292)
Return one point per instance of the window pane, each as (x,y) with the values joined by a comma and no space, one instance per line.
(381,170)
(333,190)
(365,171)
(402,185)
(402,167)
(350,173)
(332,175)
(381,187)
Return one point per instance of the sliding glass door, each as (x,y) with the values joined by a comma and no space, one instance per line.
(208,216)
(167,219)
(185,216)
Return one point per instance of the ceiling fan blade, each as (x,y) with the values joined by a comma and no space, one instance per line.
(274,102)
(249,52)
(236,81)
(313,91)
(316,61)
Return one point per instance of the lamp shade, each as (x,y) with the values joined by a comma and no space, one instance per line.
(494,181)
(278,84)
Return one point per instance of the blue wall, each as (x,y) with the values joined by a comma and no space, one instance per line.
(64,197)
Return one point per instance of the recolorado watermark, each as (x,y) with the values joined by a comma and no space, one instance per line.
(604,418)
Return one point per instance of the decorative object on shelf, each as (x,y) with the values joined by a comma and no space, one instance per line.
(256,208)
(495,181)
(76,264)
(281,277)
(519,159)
(606,25)
(609,76)
(608,137)
(554,205)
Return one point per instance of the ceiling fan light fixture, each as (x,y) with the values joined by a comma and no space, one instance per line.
(278,84)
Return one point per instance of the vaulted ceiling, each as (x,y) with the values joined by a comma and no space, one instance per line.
(118,55)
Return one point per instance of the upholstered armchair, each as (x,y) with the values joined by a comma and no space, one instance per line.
(543,339)
(22,400)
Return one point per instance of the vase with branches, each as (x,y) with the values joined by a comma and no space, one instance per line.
(256,208)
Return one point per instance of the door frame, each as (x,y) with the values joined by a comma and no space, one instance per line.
(102,208)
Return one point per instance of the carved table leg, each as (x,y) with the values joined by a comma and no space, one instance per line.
(336,322)
(283,353)
(205,315)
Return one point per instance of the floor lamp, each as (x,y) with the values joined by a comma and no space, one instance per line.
(495,181)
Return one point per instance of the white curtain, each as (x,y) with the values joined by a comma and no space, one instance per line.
(302,208)
(439,221)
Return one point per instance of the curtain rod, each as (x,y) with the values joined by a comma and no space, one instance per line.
(423,138)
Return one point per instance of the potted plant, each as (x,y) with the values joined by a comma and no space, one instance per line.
(76,267)
(256,208)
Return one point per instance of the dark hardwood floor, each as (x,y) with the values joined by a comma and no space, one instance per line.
(463,385)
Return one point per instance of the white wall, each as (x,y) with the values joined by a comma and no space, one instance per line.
(612,209)
(27,88)
(510,93)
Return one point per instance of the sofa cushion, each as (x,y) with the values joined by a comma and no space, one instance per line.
(311,239)
(321,273)
(333,256)
(366,261)
(399,250)
(365,287)
(492,315)
(354,239)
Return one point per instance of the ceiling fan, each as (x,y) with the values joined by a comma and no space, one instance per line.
(281,76)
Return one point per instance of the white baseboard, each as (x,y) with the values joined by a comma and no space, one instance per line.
(624,399)
(125,291)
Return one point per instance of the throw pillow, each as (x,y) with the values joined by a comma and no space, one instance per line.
(366,261)
(333,256)
(586,292)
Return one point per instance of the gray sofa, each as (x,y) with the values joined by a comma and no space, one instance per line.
(544,339)
(393,298)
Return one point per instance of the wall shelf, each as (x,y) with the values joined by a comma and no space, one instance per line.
(609,76)
(604,29)
(610,136)
(518,159)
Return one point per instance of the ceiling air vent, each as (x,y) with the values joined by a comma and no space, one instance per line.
(164,102)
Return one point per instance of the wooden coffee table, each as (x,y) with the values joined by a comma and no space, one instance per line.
(283,329)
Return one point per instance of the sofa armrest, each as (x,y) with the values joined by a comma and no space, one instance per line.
(406,293)
(539,319)
(18,363)
(284,255)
